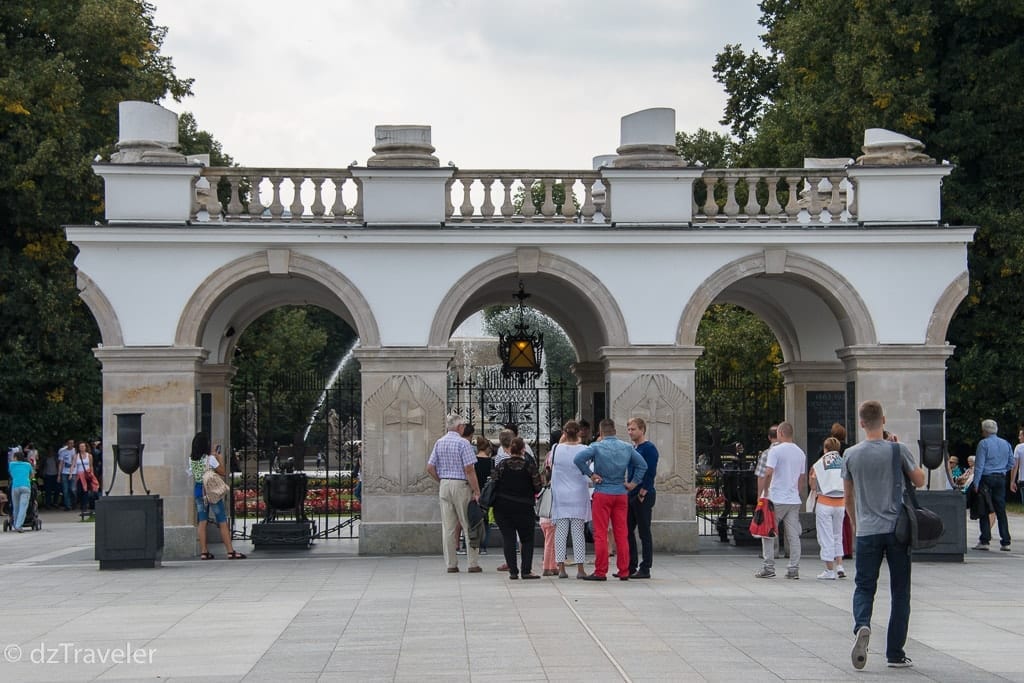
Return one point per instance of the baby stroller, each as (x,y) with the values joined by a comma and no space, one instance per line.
(32,520)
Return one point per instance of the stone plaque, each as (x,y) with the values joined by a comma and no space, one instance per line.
(823,409)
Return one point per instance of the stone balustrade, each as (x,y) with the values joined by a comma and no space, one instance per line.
(295,194)
(499,196)
(775,195)
(720,196)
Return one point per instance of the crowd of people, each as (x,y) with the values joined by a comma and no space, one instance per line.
(596,487)
(67,478)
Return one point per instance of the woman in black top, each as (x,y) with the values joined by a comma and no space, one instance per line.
(517,482)
(483,465)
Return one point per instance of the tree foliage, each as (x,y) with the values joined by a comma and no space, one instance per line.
(64,67)
(948,72)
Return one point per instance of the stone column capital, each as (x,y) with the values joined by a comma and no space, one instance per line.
(404,360)
(896,357)
(150,358)
(810,372)
(650,358)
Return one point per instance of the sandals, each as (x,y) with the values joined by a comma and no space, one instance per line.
(206,556)
(235,555)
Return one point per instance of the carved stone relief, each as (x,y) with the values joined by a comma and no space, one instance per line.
(399,417)
(668,412)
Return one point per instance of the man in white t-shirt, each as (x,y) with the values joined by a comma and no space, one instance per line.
(785,474)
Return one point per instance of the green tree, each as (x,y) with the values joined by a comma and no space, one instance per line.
(64,67)
(705,147)
(949,72)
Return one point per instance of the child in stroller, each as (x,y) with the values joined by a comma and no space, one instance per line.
(32,520)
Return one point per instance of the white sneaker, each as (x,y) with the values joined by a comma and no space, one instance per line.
(840,572)
(859,655)
(827,575)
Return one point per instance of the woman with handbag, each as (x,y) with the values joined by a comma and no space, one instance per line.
(86,483)
(200,462)
(516,483)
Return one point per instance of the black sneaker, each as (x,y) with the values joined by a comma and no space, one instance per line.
(901,663)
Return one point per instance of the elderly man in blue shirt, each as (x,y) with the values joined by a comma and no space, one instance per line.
(611,457)
(993,459)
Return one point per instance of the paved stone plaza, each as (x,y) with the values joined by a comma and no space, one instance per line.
(330,615)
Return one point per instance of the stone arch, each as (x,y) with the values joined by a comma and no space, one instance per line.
(525,260)
(945,309)
(852,315)
(224,280)
(102,310)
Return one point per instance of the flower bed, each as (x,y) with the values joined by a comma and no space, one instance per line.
(319,501)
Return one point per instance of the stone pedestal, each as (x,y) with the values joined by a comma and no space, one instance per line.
(404,405)
(951,506)
(657,384)
(129,532)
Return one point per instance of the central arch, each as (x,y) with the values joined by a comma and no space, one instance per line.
(559,287)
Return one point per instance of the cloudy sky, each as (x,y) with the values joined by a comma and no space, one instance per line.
(523,84)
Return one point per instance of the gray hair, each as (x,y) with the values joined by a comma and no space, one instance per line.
(452,421)
(989,427)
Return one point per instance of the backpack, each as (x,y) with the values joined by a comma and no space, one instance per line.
(214,487)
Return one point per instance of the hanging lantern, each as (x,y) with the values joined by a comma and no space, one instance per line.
(521,352)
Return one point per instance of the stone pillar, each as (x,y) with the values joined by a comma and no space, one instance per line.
(404,404)
(904,378)
(589,381)
(799,378)
(159,382)
(657,383)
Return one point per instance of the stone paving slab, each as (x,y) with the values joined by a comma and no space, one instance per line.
(327,614)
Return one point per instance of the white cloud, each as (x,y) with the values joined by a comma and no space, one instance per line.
(529,84)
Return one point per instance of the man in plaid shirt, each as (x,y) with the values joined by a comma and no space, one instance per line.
(452,464)
(762,460)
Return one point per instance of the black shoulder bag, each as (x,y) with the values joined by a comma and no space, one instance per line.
(916,526)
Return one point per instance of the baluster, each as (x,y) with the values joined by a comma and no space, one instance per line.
(547,209)
(851,203)
(276,207)
(235,198)
(835,206)
(710,205)
(213,206)
(357,209)
(338,209)
(528,210)
(601,198)
(487,208)
(814,207)
(297,209)
(467,205)
(588,210)
(194,205)
(449,208)
(732,208)
(753,208)
(507,209)
(318,202)
(255,205)
(773,208)
(793,203)
(569,205)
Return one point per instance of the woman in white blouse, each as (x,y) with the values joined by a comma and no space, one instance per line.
(570,499)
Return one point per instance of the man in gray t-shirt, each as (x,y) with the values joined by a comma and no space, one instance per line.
(872,503)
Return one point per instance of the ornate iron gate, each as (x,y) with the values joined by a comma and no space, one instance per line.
(490,401)
(318,426)
(733,414)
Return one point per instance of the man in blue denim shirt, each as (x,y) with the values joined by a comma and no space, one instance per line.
(611,457)
(992,461)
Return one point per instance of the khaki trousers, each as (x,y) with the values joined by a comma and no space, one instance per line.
(454,495)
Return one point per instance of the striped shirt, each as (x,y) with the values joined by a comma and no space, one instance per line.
(451,455)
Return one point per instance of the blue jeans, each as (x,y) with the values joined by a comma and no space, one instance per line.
(20,497)
(996,484)
(68,489)
(870,550)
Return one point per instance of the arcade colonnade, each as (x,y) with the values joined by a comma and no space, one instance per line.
(855,275)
